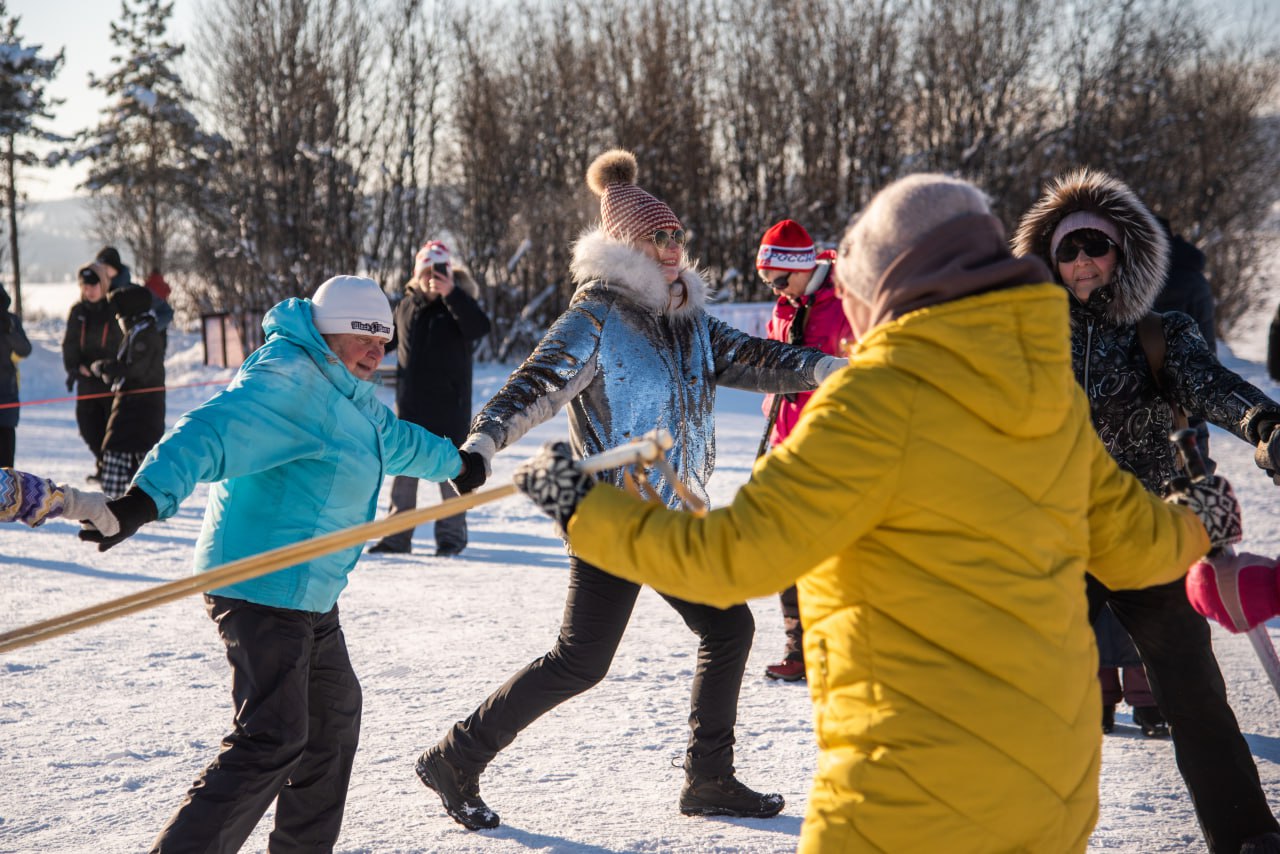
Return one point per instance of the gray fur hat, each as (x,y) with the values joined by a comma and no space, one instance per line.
(895,219)
(1144,249)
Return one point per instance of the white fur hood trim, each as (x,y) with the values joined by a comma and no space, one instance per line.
(621,268)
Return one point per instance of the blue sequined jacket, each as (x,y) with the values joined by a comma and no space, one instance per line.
(633,353)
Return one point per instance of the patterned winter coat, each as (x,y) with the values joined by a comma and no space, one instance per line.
(296,446)
(825,327)
(1129,412)
(939,503)
(626,357)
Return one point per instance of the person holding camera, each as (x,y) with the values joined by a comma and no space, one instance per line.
(92,334)
(437,323)
(13,346)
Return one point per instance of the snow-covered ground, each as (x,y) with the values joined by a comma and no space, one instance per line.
(102,731)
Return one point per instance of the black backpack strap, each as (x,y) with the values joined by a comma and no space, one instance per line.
(1154,346)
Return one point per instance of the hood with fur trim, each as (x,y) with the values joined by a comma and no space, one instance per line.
(1144,249)
(621,267)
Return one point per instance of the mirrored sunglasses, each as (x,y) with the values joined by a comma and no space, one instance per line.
(662,237)
(1096,247)
(776,282)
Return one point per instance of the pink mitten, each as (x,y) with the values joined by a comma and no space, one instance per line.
(1237,591)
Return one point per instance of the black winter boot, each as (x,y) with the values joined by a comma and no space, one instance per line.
(1108,717)
(1267,843)
(726,796)
(458,791)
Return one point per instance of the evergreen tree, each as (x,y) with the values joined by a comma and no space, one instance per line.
(149,156)
(24,74)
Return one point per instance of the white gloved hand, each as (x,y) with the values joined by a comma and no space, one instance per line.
(479,443)
(89,507)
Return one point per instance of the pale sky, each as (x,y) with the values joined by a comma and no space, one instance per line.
(83,28)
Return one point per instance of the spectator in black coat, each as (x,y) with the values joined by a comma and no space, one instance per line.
(92,334)
(136,375)
(13,346)
(437,324)
(120,276)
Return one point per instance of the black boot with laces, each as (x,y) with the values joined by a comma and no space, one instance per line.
(726,796)
(458,791)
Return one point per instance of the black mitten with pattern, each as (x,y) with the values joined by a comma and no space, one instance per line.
(554,482)
(1214,501)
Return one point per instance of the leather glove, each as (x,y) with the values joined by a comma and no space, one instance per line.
(473,473)
(1236,591)
(1214,501)
(554,482)
(132,510)
(1260,425)
(89,507)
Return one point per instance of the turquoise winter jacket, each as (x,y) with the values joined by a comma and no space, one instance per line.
(296,447)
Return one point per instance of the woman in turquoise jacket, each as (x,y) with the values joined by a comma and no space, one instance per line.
(297,446)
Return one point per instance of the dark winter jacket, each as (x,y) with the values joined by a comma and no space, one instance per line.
(1186,289)
(434,340)
(1130,414)
(137,417)
(92,335)
(159,307)
(13,346)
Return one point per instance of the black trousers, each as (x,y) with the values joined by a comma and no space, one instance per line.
(8,446)
(297,723)
(1212,755)
(91,418)
(595,616)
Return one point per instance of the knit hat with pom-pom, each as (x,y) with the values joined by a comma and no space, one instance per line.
(626,211)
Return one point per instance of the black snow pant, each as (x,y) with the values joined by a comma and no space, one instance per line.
(297,721)
(595,616)
(1212,755)
(91,418)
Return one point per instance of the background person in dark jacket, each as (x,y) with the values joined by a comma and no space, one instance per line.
(136,375)
(13,346)
(437,323)
(121,277)
(1111,255)
(92,334)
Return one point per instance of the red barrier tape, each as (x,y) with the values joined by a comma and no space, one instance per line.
(109,394)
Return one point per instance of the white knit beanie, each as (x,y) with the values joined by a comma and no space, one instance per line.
(895,219)
(351,305)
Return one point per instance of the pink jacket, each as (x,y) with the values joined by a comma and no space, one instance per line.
(824,328)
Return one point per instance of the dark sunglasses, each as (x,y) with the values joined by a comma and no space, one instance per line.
(1096,247)
(779,283)
(662,237)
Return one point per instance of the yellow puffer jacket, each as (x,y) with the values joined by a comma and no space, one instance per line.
(940,502)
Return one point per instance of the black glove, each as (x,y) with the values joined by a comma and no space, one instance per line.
(1214,501)
(554,483)
(71,382)
(133,509)
(473,473)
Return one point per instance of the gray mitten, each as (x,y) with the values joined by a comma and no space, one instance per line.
(1214,501)
(554,482)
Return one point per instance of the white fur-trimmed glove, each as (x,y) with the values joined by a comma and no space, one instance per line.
(554,482)
(1214,501)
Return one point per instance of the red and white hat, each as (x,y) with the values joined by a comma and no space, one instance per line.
(626,211)
(432,252)
(787,247)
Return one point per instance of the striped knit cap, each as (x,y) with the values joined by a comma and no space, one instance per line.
(626,211)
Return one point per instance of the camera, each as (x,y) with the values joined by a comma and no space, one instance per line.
(89,276)
(441,267)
